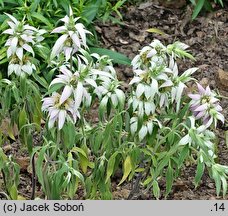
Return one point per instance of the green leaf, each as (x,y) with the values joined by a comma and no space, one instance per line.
(41,18)
(76,149)
(40,80)
(97,140)
(198,8)
(111,165)
(34,5)
(156,189)
(54,88)
(127,169)
(16,93)
(217,179)
(43,51)
(39,165)
(23,86)
(183,112)
(163,163)
(29,142)
(69,134)
(155,30)
(147,181)
(199,173)
(224,185)
(193,2)
(83,163)
(184,153)
(90,12)
(22,118)
(13,192)
(169,179)
(78,174)
(7,99)
(102,107)
(115,56)
(208,6)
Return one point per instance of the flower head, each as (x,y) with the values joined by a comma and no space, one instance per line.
(59,112)
(21,38)
(21,67)
(72,39)
(205,106)
(20,44)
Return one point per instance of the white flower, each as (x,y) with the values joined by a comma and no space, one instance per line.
(72,39)
(59,112)
(21,67)
(104,63)
(146,128)
(179,81)
(198,133)
(22,37)
(150,56)
(79,82)
(109,91)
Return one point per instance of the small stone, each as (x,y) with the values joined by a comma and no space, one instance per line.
(200,34)
(7,148)
(173,4)
(211,185)
(140,37)
(204,82)
(145,5)
(223,79)
(98,29)
(128,72)
(123,41)
(23,162)
(125,193)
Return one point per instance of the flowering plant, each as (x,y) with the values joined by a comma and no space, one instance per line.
(146,135)
(160,121)
(22,38)
(205,105)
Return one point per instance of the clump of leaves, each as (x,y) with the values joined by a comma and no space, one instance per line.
(203,4)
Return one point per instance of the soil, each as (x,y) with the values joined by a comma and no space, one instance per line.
(207,37)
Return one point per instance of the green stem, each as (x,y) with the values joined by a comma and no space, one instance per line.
(53,155)
(221,96)
(83,127)
(71,62)
(58,140)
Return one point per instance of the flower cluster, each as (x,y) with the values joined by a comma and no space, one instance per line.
(157,83)
(72,39)
(80,84)
(85,76)
(20,46)
(205,106)
(200,138)
(59,111)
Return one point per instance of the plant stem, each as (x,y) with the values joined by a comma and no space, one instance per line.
(53,155)
(83,126)
(136,186)
(3,194)
(33,177)
(71,62)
